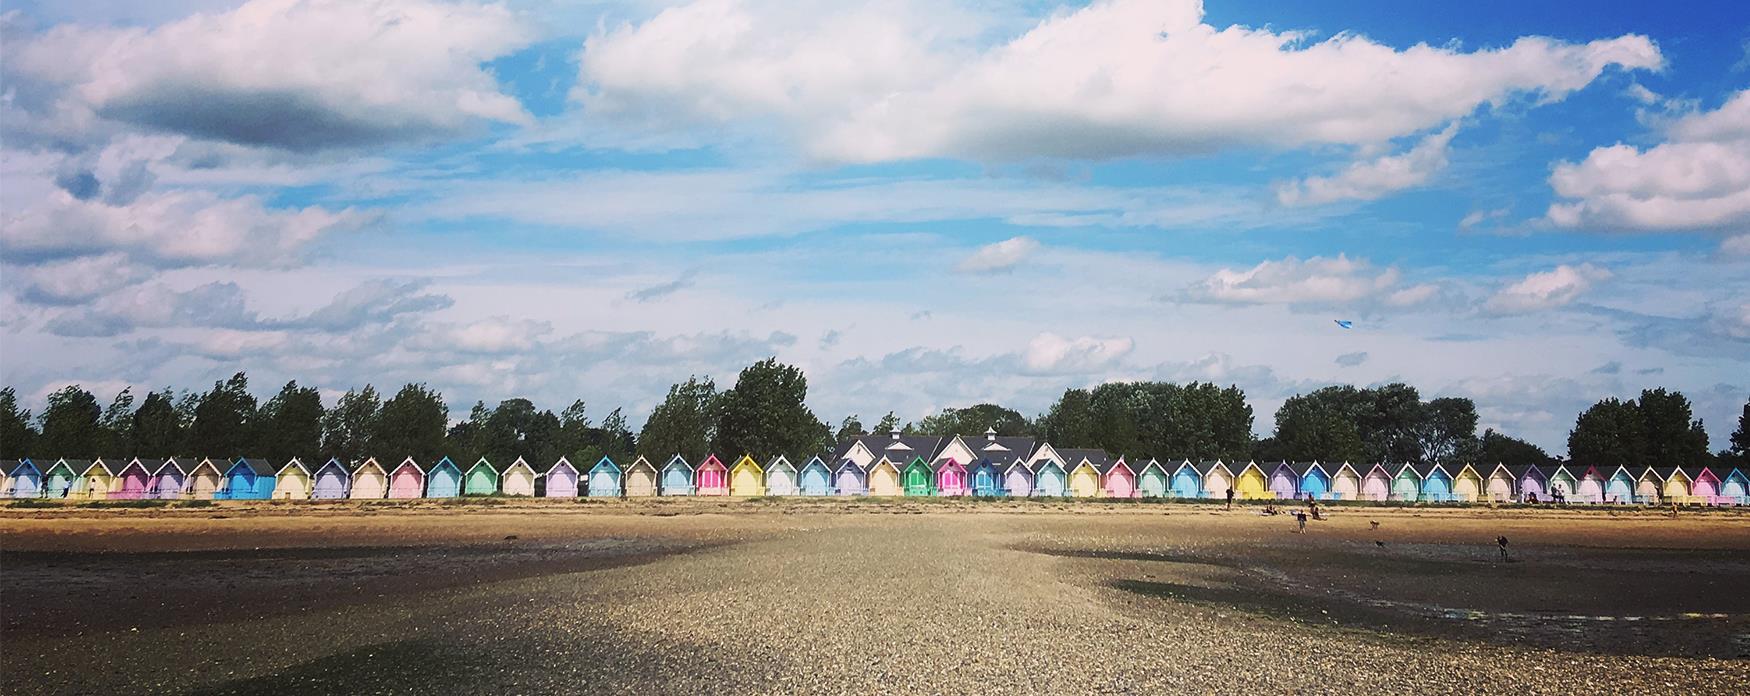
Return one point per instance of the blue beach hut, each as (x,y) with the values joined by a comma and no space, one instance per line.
(23,479)
(986,480)
(677,477)
(1314,480)
(248,479)
(443,480)
(815,478)
(604,479)
(1187,483)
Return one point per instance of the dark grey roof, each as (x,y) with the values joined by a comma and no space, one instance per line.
(1074,457)
(1302,468)
(183,465)
(1426,469)
(1665,472)
(77,465)
(261,467)
(1204,467)
(665,465)
(1520,470)
(7,466)
(1017,445)
(926,446)
(151,466)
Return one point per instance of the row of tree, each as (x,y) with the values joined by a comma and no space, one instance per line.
(765,414)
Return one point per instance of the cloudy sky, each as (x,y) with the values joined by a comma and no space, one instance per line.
(924,204)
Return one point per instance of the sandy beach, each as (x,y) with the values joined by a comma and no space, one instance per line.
(869,596)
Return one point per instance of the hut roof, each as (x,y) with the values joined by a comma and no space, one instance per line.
(902,446)
(1426,469)
(485,463)
(1303,468)
(77,466)
(1204,467)
(182,465)
(7,466)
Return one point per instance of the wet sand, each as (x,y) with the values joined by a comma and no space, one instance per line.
(876,596)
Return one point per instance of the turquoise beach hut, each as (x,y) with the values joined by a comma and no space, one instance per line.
(604,479)
(248,479)
(1187,482)
(985,478)
(1314,480)
(1153,481)
(62,479)
(443,480)
(677,477)
(1406,486)
(1436,483)
(815,478)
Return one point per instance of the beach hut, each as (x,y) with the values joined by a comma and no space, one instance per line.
(519,479)
(1436,483)
(884,478)
(369,481)
(641,479)
(1467,484)
(443,480)
(1735,488)
(1530,482)
(1562,483)
(7,467)
(23,479)
(249,479)
(207,479)
(951,478)
(919,479)
(814,478)
(1017,479)
(1648,487)
(481,479)
(850,479)
(1284,482)
(99,479)
(1313,480)
(1049,479)
(407,480)
(677,477)
(1187,481)
(170,482)
(134,481)
(1620,489)
(985,478)
(1118,480)
(1406,484)
(1677,488)
(1250,482)
(747,478)
(604,479)
(711,477)
(1083,480)
(562,479)
(332,481)
(1346,483)
(1376,485)
(292,481)
(1501,485)
(1705,485)
(64,477)
(1590,488)
(1217,479)
(1152,480)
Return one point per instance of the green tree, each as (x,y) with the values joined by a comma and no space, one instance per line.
(1070,422)
(116,426)
(290,425)
(1737,451)
(347,429)
(1496,448)
(617,441)
(156,430)
(1309,427)
(412,424)
(17,436)
(1448,430)
(1608,435)
(69,425)
(850,428)
(223,419)
(685,423)
(974,420)
(1670,437)
(765,414)
(888,424)
(575,437)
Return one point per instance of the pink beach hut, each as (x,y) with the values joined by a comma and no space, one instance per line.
(135,480)
(1376,485)
(711,477)
(1705,486)
(951,479)
(407,481)
(1118,480)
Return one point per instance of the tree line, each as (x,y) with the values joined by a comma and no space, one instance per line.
(765,414)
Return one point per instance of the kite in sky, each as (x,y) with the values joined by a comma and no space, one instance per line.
(1345,323)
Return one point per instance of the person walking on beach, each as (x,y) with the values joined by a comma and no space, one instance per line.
(1230,497)
(1300,519)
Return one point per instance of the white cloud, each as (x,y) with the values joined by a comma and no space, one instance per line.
(291,74)
(884,80)
(1049,353)
(74,281)
(1000,256)
(1373,179)
(1315,281)
(1547,289)
(1478,217)
(1738,245)
(1698,179)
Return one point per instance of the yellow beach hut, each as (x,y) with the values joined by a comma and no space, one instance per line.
(1677,485)
(99,479)
(292,481)
(1468,484)
(884,478)
(640,478)
(369,481)
(1251,483)
(1083,467)
(746,478)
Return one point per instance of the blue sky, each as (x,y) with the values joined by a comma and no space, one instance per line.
(925,205)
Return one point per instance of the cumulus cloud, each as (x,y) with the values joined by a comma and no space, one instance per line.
(1352,359)
(1372,179)
(1546,289)
(888,80)
(173,228)
(1698,179)
(298,75)
(372,302)
(1317,281)
(1000,256)
(74,281)
(1049,353)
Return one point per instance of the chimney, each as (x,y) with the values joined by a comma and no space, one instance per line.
(990,434)
(895,434)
